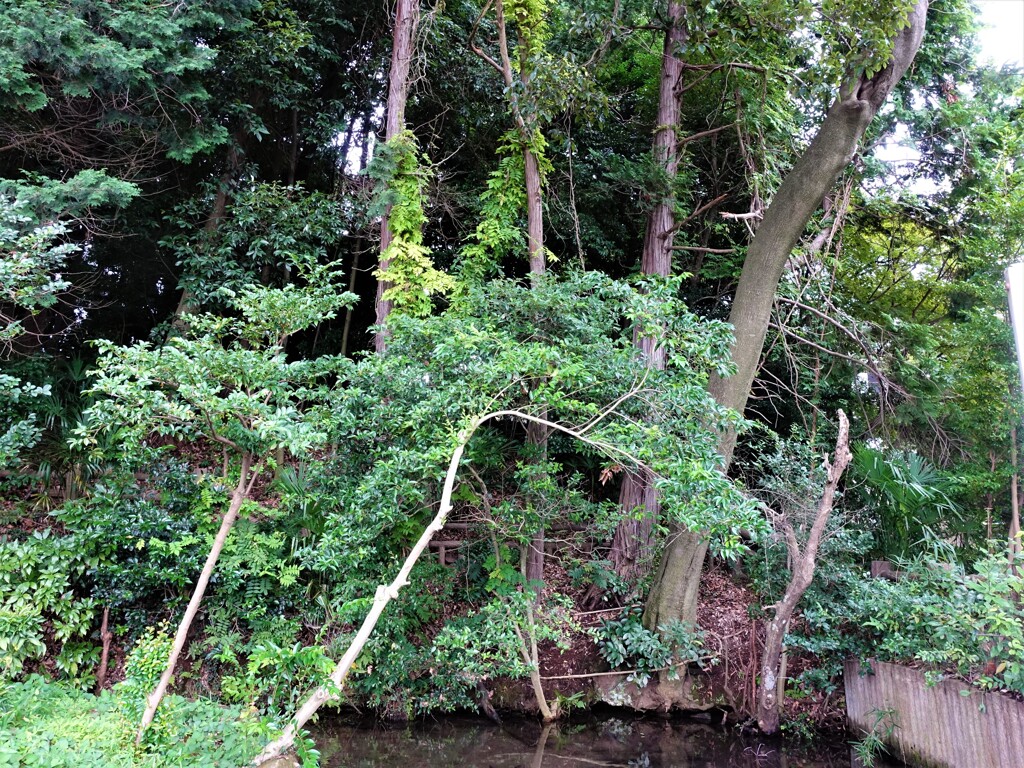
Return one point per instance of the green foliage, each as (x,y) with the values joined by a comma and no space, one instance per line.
(405,264)
(908,498)
(861,36)
(22,430)
(39,605)
(30,280)
(961,623)
(115,63)
(229,383)
(564,346)
(142,670)
(499,231)
(77,197)
(264,226)
(530,18)
(145,541)
(45,724)
(35,254)
(625,642)
(873,742)
(277,679)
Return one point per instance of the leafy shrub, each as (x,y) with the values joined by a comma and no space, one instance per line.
(144,539)
(626,642)
(958,622)
(910,499)
(38,577)
(45,724)
(277,678)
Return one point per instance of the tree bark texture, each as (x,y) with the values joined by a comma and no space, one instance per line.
(769,700)
(237,497)
(785,220)
(407,17)
(630,548)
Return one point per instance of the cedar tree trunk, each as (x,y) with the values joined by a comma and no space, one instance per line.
(407,17)
(633,534)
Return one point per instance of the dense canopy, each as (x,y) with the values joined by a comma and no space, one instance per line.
(266,264)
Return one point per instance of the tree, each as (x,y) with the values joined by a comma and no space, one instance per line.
(228,383)
(633,534)
(529,18)
(330,690)
(860,97)
(407,16)
(803,561)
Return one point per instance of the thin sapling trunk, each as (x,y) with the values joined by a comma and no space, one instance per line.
(238,496)
(804,561)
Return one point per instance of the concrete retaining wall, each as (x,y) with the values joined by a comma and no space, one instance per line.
(948,725)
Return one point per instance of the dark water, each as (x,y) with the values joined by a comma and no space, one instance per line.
(462,742)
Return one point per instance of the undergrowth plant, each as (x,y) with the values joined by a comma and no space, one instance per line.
(625,642)
(42,609)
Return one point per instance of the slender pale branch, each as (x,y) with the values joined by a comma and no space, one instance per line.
(388,592)
(239,495)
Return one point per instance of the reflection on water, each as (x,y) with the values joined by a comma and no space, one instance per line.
(613,743)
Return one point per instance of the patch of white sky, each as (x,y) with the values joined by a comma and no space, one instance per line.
(1002,33)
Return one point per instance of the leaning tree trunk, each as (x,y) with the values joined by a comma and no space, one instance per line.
(385,593)
(792,207)
(237,497)
(407,16)
(802,573)
(536,433)
(630,545)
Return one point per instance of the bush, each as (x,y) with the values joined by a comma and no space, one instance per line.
(45,724)
(626,642)
(144,540)
(39,605)
(937,613)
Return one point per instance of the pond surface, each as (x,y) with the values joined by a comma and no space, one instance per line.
(464,742)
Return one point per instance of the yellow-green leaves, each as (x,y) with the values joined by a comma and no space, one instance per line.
(408,271)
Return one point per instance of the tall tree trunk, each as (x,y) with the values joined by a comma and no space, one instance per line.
(1014,550)
(407,17)
(536,434)
(802,569)
(237,497)
(792,207)
(632,538)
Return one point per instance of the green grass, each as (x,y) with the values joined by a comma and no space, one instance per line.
(46,724)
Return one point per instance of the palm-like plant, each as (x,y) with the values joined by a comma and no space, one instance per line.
(909,499)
